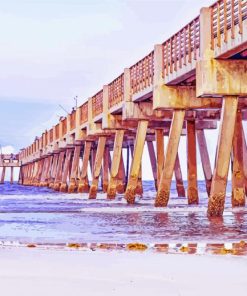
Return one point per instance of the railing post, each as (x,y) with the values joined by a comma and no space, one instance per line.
(90,125)
(78,131)
(206,51)
(105,115)
(127,86)
(158,75)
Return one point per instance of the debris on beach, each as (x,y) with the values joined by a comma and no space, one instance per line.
(136,247)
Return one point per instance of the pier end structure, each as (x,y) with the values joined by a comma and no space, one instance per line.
(9,161)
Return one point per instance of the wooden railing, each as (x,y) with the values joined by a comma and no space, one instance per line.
(97,101)
(72,120)
(9,156)
(226,15)
(116,91)
(182,48)
(84,113)
(142,73)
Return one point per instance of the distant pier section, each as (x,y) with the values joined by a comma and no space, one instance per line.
(8,161)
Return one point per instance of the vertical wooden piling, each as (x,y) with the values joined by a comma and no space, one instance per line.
(245,161)
(153,161)
(11,175)
(206,166)
(105,170)
(83,182)
(20,177)
(24,174)
(97,167)
(31,173)
(116,158)
(238,182)
(121,176)
(53,170)
(159,135)
(59,171)
(44,172)
(3,175)
(139,187)
(48,171)
(66,168)
(179,178)
(35,173)
(163,193)
(127,165)
(192,190)
(224,147)
(39,173)
(74,170)
(92,158)
(136,161)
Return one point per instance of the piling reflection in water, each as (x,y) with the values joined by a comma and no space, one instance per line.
(39,215)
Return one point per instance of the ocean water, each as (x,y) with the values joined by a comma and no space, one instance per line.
(42,216)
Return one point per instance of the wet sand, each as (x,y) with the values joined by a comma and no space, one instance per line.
(25,271)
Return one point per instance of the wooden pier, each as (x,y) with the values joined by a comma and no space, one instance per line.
(194,81)
(8,161)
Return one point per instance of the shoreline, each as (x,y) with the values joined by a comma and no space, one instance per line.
(235,249)
(32,271)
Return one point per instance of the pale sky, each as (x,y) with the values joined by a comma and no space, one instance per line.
(54,50)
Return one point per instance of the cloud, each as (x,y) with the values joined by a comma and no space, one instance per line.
(7,149)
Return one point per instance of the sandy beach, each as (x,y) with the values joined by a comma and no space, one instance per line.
(37,272)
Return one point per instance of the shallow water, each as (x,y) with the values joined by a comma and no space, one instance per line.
(40,215)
